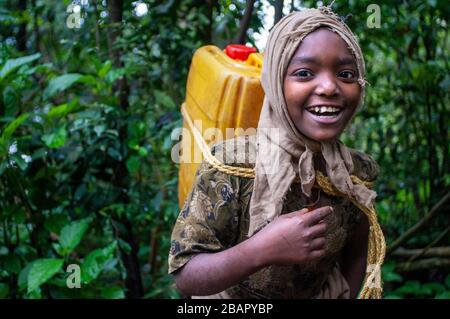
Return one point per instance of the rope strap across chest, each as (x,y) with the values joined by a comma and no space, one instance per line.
(372,286)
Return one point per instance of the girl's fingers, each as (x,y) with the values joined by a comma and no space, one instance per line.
(317,253)
(318,230)
(318,244)
(297,213)
(317,215)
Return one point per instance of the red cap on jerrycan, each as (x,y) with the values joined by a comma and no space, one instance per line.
(239,51)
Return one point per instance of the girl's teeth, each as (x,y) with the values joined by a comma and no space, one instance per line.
(325,109)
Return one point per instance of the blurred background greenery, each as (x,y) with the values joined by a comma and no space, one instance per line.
(90,91)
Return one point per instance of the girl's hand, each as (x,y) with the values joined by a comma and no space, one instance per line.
(293,238)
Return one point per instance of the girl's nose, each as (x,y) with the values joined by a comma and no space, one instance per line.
(327,86)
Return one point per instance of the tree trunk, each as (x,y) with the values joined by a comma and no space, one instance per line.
(22,33)
(292,6)
(245,22)
(207,37)
(97,29)
(120,179)
(37,36)
(278,10)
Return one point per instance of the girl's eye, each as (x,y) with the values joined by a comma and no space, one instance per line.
(348,75)
(303,74)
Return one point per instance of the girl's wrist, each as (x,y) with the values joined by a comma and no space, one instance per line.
(255,252)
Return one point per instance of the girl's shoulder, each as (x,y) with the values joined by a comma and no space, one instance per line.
(239,151)
(365,167)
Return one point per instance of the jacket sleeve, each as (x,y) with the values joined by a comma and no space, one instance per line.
(209,220)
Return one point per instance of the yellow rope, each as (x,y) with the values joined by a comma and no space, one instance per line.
(372,286)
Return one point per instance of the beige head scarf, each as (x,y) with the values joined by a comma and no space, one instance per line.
(281,155)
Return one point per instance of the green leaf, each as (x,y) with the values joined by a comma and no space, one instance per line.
(19,161)
(23,276)
(12,127)
(114,154)
(113,293)
(434,287)
(19,216)
(410,287)
(157,201)
(142,151)
(124,246)
(167,144)
(56,222)
(60,84)
(105,69)
(133,164)
(164,100)
(443,295)
(58,281)
(71,234)
(55,139)
(41,271)
(57,247)
(3,166)
(99,129)
(114,74)
(4,290)
(35,294)
(13,64)
(12,264)
(447,281)
(89,80)
(63,109)
(95,262)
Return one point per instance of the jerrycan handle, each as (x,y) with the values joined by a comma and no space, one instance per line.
(239,51)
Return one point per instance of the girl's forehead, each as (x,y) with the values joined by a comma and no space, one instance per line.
(323,37)
(323,42)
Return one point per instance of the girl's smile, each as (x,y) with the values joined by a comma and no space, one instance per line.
(320,87)
(325,114)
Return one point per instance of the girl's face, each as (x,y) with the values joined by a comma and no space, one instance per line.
(320,87)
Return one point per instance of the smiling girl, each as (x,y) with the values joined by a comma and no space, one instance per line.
(283,234)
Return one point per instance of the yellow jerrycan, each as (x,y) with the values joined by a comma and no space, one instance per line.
(223,92)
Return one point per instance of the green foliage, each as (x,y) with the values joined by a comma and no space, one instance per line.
(40,271)
(60,83)
(414,288)
(96,261)
(389,274)
(55,139)
(13,64)
(85,171)
(71,236)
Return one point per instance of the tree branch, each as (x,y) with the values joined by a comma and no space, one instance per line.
(245,22)
(278,11)
(430,245)
(431,252)
(423,264)
(418,226)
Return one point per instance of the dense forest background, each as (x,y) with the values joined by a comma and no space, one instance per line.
(90,91)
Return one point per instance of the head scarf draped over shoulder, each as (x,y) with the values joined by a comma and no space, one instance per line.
(288,152)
